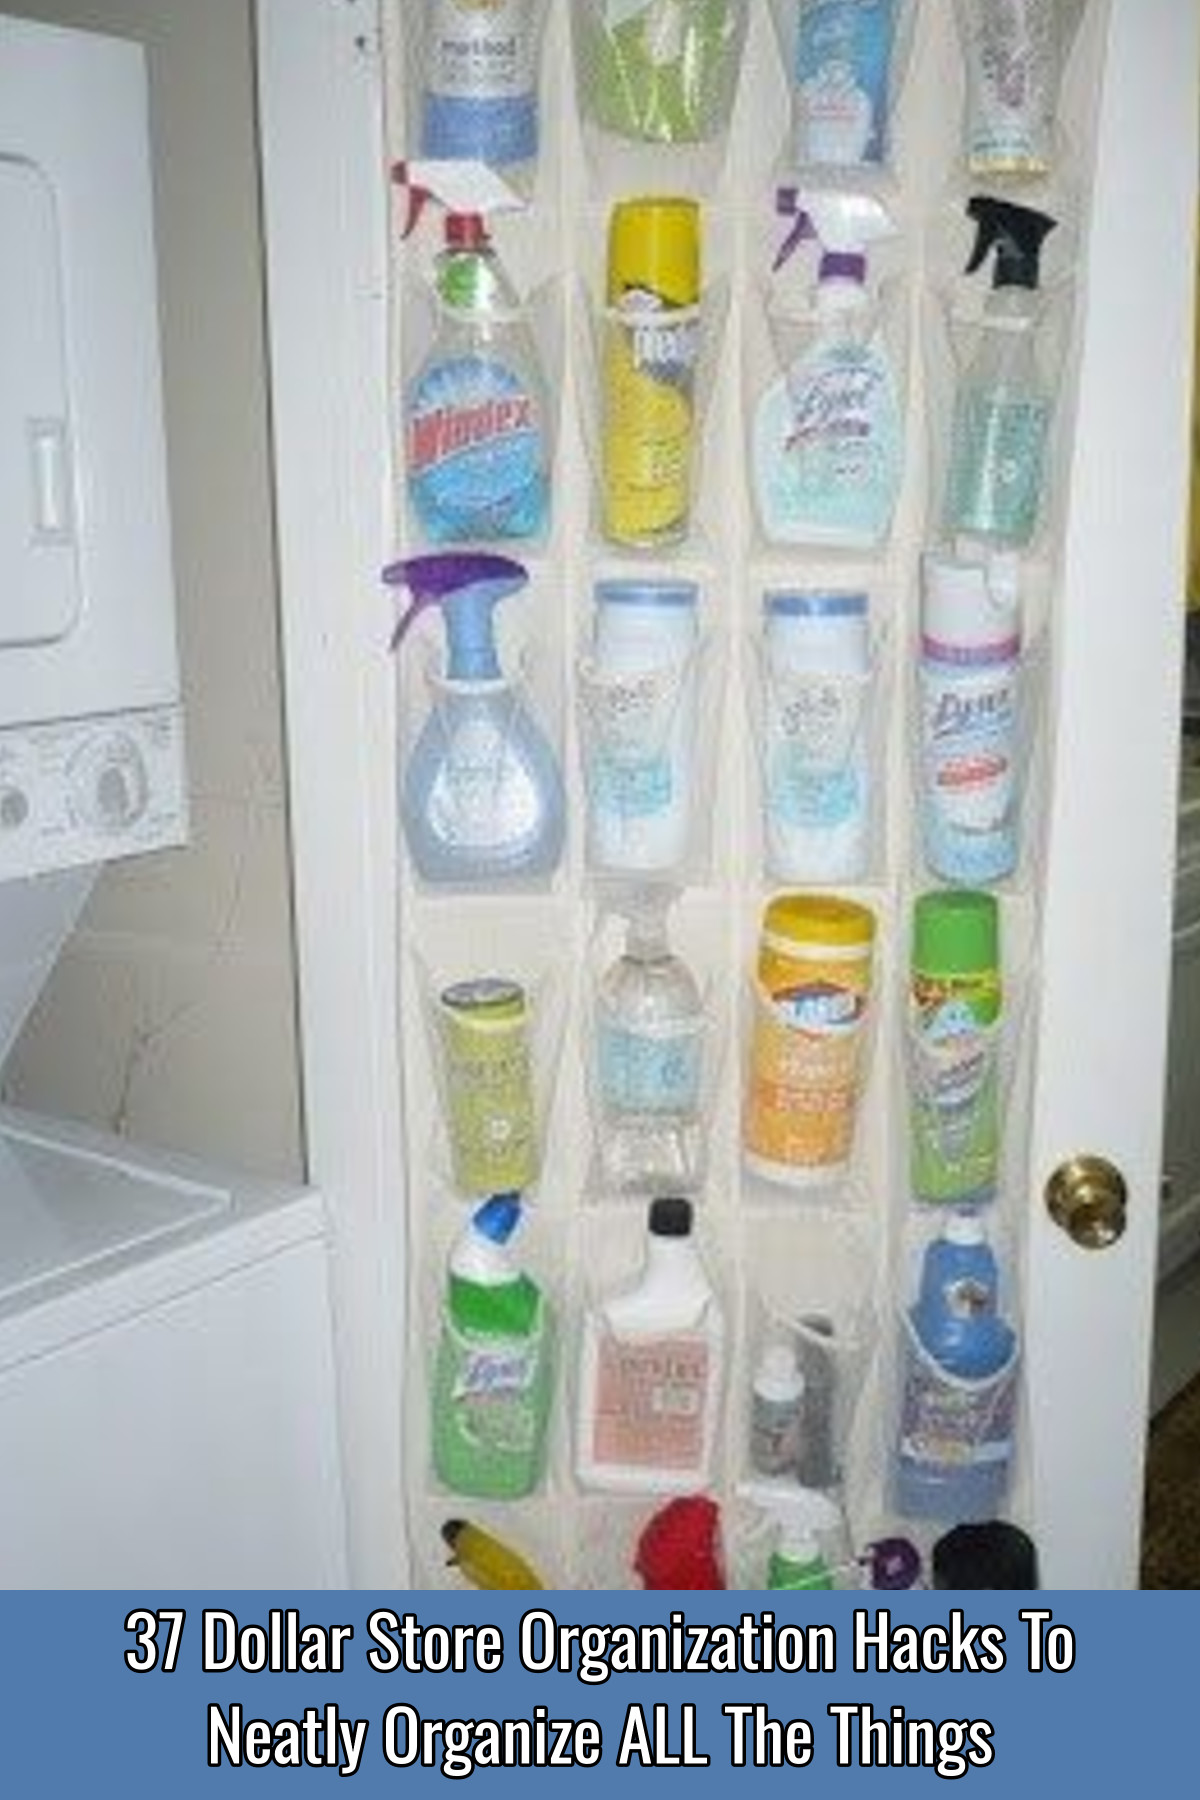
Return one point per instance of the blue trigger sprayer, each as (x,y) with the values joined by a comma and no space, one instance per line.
(481,797)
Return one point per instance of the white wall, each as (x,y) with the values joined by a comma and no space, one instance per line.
(171,1014)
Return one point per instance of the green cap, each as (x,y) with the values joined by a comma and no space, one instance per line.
(956,931)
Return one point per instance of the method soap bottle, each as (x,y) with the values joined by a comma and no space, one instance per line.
(1003,405)
(482,796)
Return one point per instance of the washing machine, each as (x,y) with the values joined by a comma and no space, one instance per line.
(167,1385)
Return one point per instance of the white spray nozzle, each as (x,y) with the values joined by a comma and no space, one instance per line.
(798,1513)
(462,189)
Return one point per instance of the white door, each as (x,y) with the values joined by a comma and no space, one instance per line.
(1105,929)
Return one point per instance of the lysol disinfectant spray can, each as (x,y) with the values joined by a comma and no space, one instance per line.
(970,749)
(479,80)
(651,344)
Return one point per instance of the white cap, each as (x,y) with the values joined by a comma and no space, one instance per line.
(964,1230)
(961,607)
(778,1376)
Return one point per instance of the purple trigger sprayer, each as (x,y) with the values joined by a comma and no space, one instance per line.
(481,796)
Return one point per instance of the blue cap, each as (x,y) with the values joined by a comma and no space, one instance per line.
(497,1218)
(647,593)
(813,605)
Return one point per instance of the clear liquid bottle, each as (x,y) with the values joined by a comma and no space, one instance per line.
(649,1058)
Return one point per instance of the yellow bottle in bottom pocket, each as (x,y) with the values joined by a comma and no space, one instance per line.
(807,1048)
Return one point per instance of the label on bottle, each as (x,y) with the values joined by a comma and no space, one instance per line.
(955,1046)
(827,451)
(996,464)
(843,67)
(475,452)
(815,779)
(649,370)
(653,1069)
(970,777)
(1012,59)
(484,800)
(651,1399)
(480,80)
(494,1387)
(631,752)
(805,1058)
(951,1426)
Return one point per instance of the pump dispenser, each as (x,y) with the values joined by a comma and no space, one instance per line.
(1003,406)
(481,797)
(807,1531)
(475,414)
(828,432)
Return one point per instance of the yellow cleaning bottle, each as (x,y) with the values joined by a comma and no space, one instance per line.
(483,1560)
(651,344)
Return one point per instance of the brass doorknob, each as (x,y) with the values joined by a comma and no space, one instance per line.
(1088,1197)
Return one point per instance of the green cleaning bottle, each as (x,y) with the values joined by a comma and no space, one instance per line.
(954,1037)
(492,1381)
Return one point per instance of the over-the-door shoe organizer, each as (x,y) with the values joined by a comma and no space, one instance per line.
(825,1273)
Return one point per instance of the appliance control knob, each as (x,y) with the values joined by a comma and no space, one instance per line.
(112,786)
(14,808)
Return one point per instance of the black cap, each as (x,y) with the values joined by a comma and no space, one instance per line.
(671,1217)
(1015,233)
(995,1555)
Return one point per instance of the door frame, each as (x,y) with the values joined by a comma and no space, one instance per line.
(1115,712)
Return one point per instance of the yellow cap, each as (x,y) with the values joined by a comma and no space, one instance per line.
(655,244)
(819,919)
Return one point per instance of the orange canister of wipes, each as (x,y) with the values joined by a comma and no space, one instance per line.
(811,1001)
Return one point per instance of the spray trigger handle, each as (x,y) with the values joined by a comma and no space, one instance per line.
(787,206)
(465,585)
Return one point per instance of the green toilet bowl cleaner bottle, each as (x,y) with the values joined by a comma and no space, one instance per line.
(492,1382)
(954,1047)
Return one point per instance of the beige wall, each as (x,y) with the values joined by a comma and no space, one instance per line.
(171,1014)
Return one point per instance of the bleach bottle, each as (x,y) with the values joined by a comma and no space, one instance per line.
(481,796)
(955,1441)
(477,439)
(492,1382)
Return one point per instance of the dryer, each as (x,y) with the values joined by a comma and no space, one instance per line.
(167,1395)
(91,754)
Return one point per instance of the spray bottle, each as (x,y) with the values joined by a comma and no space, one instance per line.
(482,794)
(807,1533)
(828,432)
(479,79)
(477,441)
(1003,406)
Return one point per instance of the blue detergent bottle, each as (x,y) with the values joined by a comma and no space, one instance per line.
(956,1428)
(481,795)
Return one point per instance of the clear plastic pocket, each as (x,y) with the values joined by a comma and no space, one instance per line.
(658,75)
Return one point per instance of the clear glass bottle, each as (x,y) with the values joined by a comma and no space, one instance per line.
(649,1061)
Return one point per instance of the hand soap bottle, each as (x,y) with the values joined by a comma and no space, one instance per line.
(481,797)
(477,439)
(828,432)
(1003,406)
(492,1382)
(650,1371)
